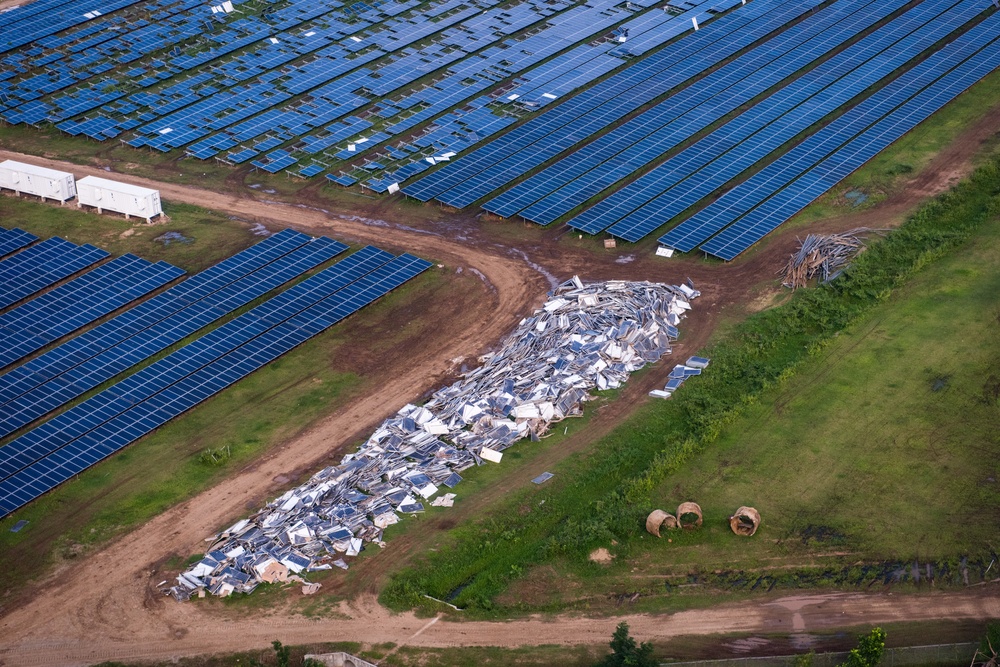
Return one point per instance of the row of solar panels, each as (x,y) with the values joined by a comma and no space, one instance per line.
(43,265)
(795,103)
(684,179)
(978,53)
(75,304)
(644,139)
(68,443)
(529,145)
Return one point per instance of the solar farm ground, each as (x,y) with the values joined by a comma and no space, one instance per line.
(64,533)
(95,549)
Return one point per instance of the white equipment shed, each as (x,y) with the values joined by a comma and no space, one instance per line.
(131,200)
(33,180)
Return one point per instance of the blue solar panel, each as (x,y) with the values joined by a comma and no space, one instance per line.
(826,141)
(173,329)
(527,146)
(813,183)
(14,239)
(77,350)
(63,310)
(179,396)
(686,178)
(644,139)
(138,387)
(43,265)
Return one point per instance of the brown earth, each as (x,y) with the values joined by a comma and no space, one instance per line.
(104,607)
(11,4)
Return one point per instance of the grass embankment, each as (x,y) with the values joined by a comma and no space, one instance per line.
(211,236)
(602,499)
(218,437)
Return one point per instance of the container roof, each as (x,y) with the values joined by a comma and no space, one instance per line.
(116,186)
(26,168)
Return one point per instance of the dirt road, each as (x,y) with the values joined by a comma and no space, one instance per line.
(180,631)
(103,608)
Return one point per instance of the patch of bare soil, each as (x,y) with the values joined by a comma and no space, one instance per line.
(601,556)
(103,606)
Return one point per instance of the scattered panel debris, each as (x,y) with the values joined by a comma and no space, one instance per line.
(16,528)
(824,255)
(681,372)
(544,477)
(584,337)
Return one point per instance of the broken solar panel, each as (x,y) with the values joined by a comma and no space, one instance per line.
(584,337)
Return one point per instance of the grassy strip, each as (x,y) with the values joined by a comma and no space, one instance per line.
(209,236)
(602,498)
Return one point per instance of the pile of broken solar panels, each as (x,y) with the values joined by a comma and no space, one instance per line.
(584,337)
(680,373)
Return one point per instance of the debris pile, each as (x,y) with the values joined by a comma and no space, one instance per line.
(584,337)
(824,255)
(681,372)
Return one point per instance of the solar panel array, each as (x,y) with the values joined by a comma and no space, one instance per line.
(883,104)
(644,139)
(14,239)
(529,145)
(114,360)
(43,265)
(234,82)
(714,120)
(39,19)
(72,305)
(69,355)
(810,185)
(684,179)
(68,443)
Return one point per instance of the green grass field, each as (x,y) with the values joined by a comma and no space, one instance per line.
(882,447)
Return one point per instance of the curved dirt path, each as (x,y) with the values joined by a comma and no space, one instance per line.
(103,607)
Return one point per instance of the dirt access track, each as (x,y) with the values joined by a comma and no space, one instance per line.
(105,608)
(365,621)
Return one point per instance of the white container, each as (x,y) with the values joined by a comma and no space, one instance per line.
(39,181)
(105,195)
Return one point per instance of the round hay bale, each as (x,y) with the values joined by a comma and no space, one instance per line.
(684,520)
(658,519)
(745,521)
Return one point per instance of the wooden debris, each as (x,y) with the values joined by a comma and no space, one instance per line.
(824,255)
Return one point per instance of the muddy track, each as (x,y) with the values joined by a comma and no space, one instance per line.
(103,607)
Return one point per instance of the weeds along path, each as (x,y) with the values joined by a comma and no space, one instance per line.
(103,606)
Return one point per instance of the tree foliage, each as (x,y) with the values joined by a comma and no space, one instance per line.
(282,654)
(626,652)
(869,651)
